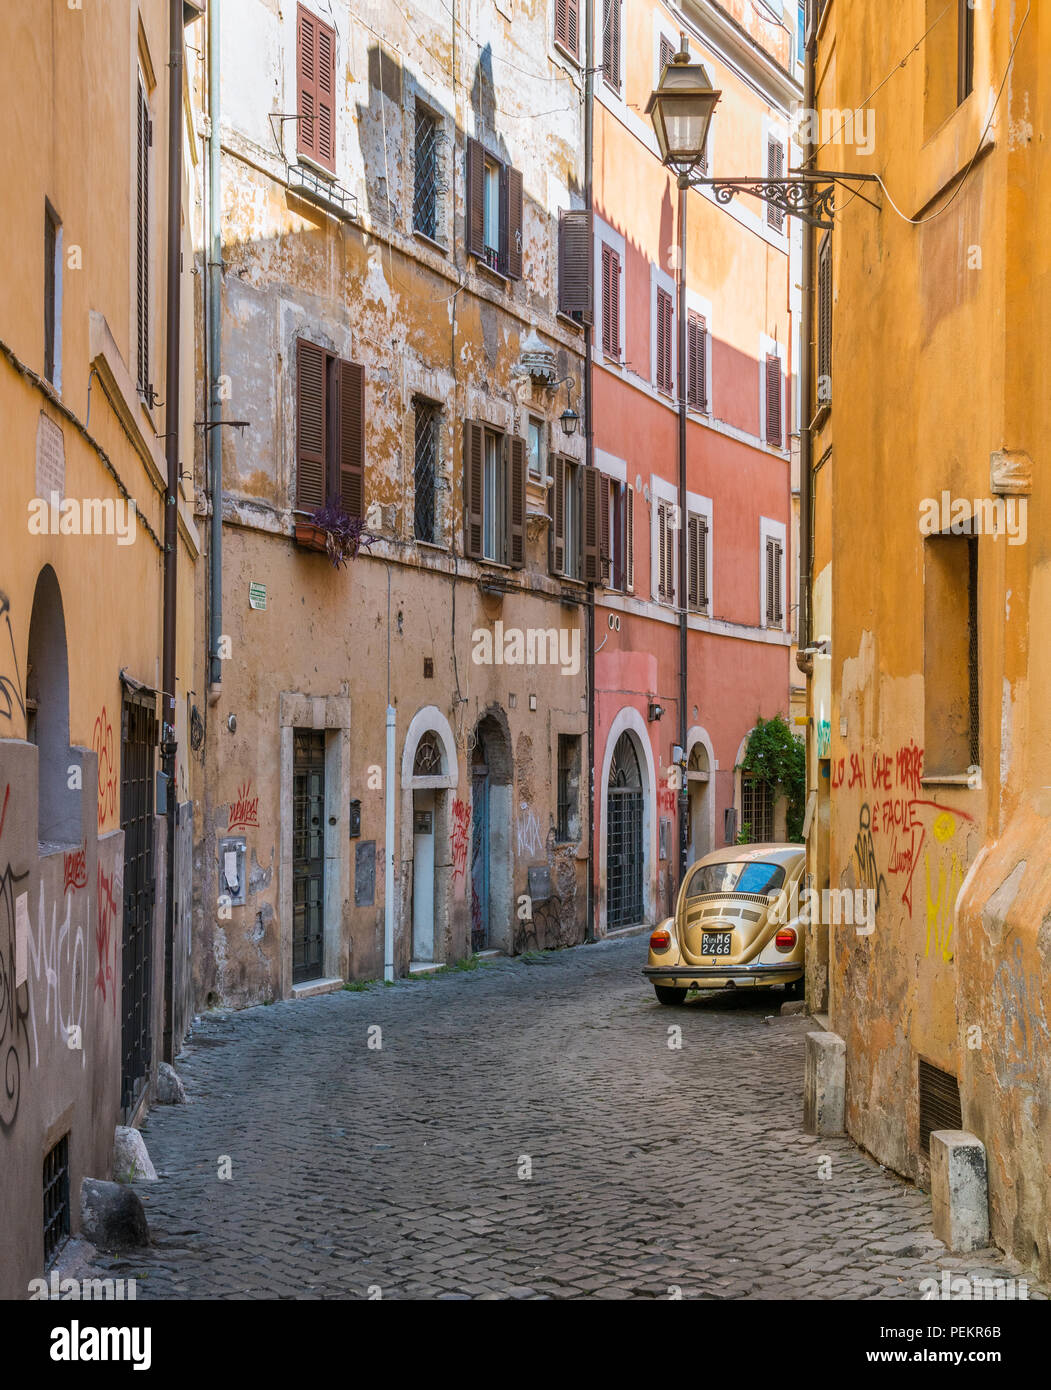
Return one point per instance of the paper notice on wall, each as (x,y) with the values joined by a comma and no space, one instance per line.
(21,939)
(230,869)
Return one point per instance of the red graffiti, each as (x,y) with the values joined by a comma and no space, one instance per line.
(3,808)
(460,836)
(102,743)
(838,771)
(105,934)
(245,810)
(909,763)
(857,770)
(74,870)
(666,800)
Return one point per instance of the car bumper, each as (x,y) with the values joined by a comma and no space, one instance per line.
(719,976)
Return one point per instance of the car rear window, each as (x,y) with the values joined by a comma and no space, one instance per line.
(750,877)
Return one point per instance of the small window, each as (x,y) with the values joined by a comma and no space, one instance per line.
(569,763)
(425,175)
(52,296)
(949,59)
(494,212)
(491,223)
(330,431)
(577,533)
(610,302)
(535,444)
(965,51)
(951,688)
(665,331)
(574,533)
(618,567)
(567,26)
(56,1198)
(425,472)
(494,495)
(774,581)
(757,812)
(611,18)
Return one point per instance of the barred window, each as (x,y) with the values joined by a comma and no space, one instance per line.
(757,811)
(425,189)
(428,417)
(568,787)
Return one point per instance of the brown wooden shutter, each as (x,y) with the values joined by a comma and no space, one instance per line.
(517,504)
(311,414)
(605,549)
(769,581)
(558,516)
(775,168)
(562,22)
(778,576)
(696,361)
(574,262)
(352,438)
(693,549)
(515,233)
(662,551)
(326,96)
(629,538)
(667,53)
(665,314)
(573,27)
(773,400)
(592,538)
(611,42)
(474,211)
(473,461)
(306,82)
(702,563)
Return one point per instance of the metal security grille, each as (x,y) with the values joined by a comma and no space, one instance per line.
(56,1198)
(624,838)
(757,811)
(426,469)
(974,690)
(308,854)
(139,738)
(939,1103)
(425,187)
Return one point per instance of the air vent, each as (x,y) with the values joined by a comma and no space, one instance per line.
(56,1198)
(939,1103)
(750,916)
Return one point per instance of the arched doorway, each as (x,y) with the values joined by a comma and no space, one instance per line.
(698,778)
(426,764)
(624,846)
(47,713)
(491,897)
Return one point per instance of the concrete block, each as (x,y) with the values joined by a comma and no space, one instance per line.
(131,1162)
(825,1084)
(959,1190)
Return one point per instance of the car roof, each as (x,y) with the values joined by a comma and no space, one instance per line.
(746,854)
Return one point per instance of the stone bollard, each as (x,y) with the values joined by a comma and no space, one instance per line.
(825,1084)
(959,1190)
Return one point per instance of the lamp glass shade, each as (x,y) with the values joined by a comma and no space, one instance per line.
(681,110)
(569,420)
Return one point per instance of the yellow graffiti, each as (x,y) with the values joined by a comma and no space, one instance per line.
(944,828)
(940,909)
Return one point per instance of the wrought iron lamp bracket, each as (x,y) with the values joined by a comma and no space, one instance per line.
(811,196)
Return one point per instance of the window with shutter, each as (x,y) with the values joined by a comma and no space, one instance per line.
(52,281)
(775,169)
(473,469)
(474,208)
(779,615)
(567,26)
(610,302)
(515,208)
(144,140)
(629,538)
(774,435)
(574,263)
(330,431)
(824,322)
(697,361)
(770,606)
(666,547)
(665,318)
(311,426)
(667,53)
(351,441)
(517,505)
(611,43)
(697,550)
(591,570)
(558,516)
(610,540)
(316,87)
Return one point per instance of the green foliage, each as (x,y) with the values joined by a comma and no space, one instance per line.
(775,756)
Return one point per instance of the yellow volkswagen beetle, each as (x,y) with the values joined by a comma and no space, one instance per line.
(734,924)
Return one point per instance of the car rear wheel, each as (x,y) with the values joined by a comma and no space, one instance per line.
(666,994)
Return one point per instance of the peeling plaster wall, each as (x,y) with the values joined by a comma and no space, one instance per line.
(956,971)
(424,320)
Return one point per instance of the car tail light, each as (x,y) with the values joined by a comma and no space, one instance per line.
(660,940)
(785,939)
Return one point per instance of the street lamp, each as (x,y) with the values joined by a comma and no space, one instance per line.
(681,110)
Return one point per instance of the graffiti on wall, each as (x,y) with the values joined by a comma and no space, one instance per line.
(14,1004)
(245,810)
(74,870)
(10,684)
(461,830)
(111,890)
(102,743)
(58,969)
(527,829)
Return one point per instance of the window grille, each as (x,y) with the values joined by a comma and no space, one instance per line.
(426,471)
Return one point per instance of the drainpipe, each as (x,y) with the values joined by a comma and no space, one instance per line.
(589,455)
(683,530)
(388,878)
(169,746)
(214,409)
(806,374)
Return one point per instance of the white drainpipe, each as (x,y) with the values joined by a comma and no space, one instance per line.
(388,878)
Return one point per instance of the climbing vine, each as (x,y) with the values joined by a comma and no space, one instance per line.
(774,755)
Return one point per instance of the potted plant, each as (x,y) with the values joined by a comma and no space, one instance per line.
(330,531)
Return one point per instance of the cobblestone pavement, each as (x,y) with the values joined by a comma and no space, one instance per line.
(399,1169)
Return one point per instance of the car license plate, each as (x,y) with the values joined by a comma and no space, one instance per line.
(715,943)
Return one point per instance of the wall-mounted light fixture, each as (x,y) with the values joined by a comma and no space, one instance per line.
(656,712)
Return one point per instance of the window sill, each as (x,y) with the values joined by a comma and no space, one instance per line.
(574,58)
(571,322)
(431,545)
(430,241)
(488,271)
(971,780)
(613,359)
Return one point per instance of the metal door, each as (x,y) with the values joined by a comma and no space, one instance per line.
(308,854)
(624,838)
(480,858)
(138,740)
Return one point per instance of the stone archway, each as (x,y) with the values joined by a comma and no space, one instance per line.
(700,784)
(429,776)
(632,721)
